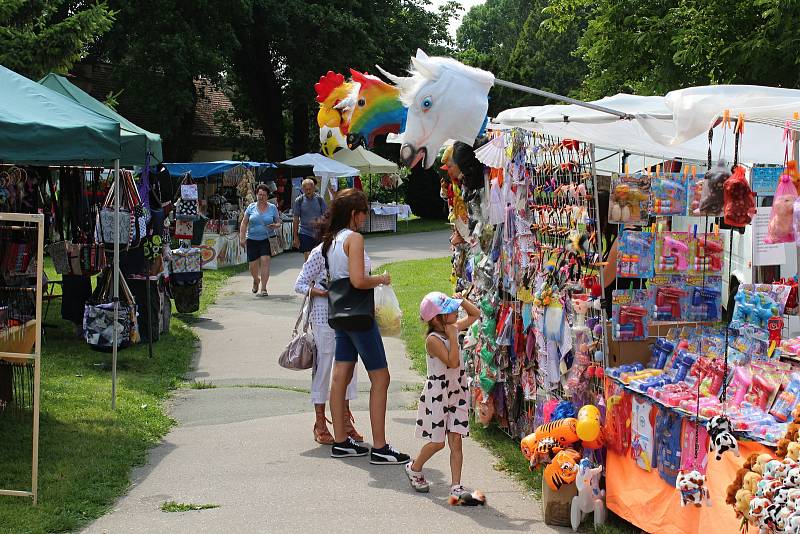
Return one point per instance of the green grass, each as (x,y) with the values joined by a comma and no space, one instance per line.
(411,280)
(415,225)
(86,449)
(173,506)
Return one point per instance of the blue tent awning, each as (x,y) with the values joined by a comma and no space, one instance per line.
(211,168)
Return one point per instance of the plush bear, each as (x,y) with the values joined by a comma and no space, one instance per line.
(758,466)
(742,503)
(793,451)
(750,481)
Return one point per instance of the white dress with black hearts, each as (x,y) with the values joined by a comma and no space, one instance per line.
(444,403)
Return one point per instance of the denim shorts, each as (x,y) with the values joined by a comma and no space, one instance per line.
(307,243)
(367,343)
(257,248)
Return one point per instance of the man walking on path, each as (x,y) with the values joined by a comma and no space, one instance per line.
(308,208)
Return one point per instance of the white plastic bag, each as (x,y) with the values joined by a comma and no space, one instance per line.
(388,314)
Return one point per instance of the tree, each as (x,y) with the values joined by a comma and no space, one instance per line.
(42,36)
(274,71)
(654,47)
(157,49)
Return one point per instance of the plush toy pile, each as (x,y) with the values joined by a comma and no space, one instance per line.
(766,491)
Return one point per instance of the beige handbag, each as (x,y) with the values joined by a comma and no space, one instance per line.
(301,351)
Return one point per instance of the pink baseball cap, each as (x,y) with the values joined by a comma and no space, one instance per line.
(436,303)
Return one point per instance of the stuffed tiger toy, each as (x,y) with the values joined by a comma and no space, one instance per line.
(562,470)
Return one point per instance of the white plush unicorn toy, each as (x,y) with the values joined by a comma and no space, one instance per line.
(590,496)
(445,100)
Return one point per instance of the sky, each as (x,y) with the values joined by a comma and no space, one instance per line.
(454,24)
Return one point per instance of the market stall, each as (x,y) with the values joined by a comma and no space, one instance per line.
(225,188)
(625,333)
(668,280)
(376,171)
(39,126)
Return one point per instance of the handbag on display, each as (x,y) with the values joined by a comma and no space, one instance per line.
(187,207)
(132,215)
(184,229)
(98,316)
(187,260)
(186,289)
(187,210)
(301,352)
(59,254)
(349,308)
(189,191)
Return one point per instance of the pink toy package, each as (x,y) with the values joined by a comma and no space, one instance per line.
(688,460)
(780,229)
(643,425)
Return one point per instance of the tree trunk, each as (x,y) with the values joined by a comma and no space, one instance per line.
(300,126)
(259,82)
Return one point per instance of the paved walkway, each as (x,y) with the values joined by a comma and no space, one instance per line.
(247,444)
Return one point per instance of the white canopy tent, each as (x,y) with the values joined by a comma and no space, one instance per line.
(674,126)
(365,161)
(324,167)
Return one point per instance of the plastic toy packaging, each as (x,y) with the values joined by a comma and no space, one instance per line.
(787,399)
(630,314)
(629,200)
(617,428)
(672,252)
(739,206)
(635,255)
(707,257)
(669,298)
(669,194)
(690,462)
(668,447)
(781,229)
(704,298)
(711,196)
(643,426)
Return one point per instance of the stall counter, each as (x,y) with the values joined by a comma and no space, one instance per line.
(644,499)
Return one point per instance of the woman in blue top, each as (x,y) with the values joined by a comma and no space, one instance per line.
(259,223)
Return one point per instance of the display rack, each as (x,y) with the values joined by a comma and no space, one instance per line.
(30,222)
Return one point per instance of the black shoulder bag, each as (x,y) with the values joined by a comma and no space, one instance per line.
(349,308)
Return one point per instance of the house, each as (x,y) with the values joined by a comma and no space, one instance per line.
(205,141)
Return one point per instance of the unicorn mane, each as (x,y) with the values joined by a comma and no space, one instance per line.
(426,69)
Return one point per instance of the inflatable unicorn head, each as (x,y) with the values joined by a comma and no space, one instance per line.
(332,93)
(445,100)
(377,110)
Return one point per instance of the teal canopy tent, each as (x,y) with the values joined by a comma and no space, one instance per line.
(38,125)
(136,141)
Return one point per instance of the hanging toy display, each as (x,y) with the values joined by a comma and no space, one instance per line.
(630,196)
(739,207)
(692,488)
(712,191)
(780,229)
(722,440)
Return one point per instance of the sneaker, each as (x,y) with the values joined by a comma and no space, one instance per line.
(348,448)
(460,496)
(387,455)
(417,479)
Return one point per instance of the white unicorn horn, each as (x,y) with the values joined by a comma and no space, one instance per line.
(397,80)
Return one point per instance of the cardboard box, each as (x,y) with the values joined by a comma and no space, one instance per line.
(624,352)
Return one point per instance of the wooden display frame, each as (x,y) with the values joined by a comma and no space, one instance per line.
(38,220)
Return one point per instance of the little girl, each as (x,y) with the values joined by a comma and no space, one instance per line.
(444,404)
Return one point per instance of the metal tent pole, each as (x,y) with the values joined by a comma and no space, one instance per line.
(566,99)
(117,196)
